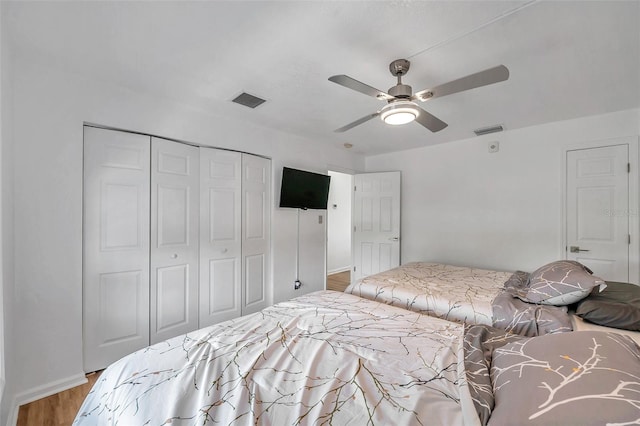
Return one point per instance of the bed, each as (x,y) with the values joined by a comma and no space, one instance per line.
(334,358)
(463,294)
(530,304)
(455,293)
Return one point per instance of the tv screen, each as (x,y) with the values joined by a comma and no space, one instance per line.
(304,190)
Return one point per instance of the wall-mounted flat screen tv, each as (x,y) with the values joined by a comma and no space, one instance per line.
(304,190)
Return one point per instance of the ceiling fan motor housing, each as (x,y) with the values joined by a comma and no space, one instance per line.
(402,91)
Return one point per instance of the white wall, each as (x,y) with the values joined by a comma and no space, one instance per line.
(50,106)
(3,85)
(463,205)
(6,219)
(339,223)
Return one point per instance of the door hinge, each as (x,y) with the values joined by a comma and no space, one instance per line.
(354,269)
(355,188)
(628,167)
(354,229)
(629,239)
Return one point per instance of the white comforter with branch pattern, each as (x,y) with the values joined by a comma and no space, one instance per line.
(455,293)
(323,358)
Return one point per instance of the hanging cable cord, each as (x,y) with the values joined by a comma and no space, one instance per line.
(297,284)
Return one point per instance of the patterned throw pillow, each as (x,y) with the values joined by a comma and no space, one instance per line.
(559,283)
(579,378)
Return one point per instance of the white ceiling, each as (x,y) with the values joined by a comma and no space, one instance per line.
(567,59)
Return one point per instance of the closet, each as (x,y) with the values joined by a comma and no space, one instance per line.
(176,237)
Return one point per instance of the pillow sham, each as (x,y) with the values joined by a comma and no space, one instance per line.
(479,342)
(528,319)
(559,283)
(579,378)
(616,306)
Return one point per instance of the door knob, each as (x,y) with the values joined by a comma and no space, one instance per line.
(576,249)
(174,256)
(394,239)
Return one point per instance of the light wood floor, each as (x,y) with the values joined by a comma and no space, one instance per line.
(56,410)
(60,409)
(339,281)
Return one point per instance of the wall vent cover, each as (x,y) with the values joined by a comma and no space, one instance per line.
(487,130)
(248,100)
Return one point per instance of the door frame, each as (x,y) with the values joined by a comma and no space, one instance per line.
(352,173)
(349,266)
(634,198)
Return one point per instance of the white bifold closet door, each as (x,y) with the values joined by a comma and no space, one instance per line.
(256,232)
(116,245)
(174,238)
(234,234)
(220,235)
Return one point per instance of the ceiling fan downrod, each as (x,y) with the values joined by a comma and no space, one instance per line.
(398,68)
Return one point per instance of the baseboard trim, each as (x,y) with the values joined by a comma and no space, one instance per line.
(13,418)
(43,391)
(337,271)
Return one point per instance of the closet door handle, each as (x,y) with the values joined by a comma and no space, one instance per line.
(174,256)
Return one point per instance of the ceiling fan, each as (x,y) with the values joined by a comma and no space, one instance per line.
(401,105)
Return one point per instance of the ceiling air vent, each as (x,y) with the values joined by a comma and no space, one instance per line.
(487,130)
(248,100)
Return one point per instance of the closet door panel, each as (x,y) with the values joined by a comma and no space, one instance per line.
(172,297)
(254,280)
(256,191)
(115,246)
(220,235)
(174,239)
(120,297)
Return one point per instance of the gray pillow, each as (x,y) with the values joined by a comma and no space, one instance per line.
(579,378)
(616,306)
(559,283)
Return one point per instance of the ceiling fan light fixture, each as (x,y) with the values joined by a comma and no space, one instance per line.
(399,112)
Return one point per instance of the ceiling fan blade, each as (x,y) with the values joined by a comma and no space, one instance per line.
(429,121)
(351,83)
(357,122)
(479,79)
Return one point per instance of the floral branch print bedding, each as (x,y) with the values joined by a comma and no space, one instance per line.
(580,378)
(334,358)
(528,319)
(454,293)
(463,294)
(323,358)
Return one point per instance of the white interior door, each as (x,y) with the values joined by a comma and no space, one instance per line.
(376,220)
(116,245)
(220,235)
(256,232)
(598,210)
(174,239)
